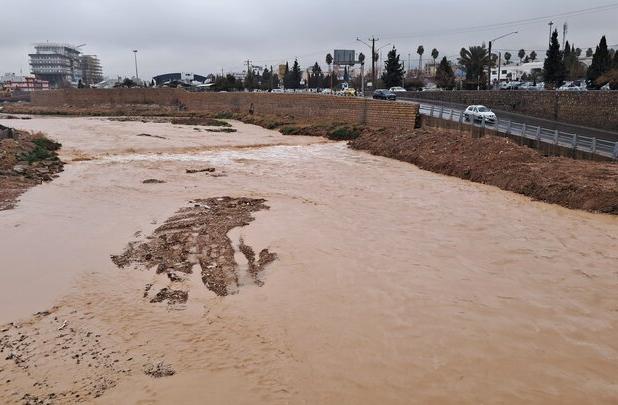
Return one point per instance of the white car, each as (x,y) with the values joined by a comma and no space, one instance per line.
(478,113)
(573,86)
(397,89)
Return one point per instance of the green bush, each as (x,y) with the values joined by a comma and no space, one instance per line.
(290,130)
(344,134)
(225,115)
(43,150)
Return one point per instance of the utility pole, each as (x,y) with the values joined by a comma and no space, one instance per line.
(373,61)
(136,75)
(489,69)
(248,62)
(565,28)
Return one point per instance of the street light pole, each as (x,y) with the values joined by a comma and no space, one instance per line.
(135,55)
(490,44)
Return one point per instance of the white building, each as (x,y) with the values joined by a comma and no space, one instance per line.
(514,72)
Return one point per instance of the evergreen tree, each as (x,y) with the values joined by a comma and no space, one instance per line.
(287,80)
(533,56)
(393,74)
(265,81)
(316,77)
(295,76)
(521,54)
(250,80)
(615,64)
(601,62)
(555,71)
(445,78)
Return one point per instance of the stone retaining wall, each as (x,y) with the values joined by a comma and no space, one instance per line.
(596,109)
(309,107)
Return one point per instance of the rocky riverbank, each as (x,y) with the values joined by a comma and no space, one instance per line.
(26,159)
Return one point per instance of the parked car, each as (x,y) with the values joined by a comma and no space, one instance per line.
(577,85)
(384,94)
(327,91)
(278,91)
(478,113)
(347,92)
(397,89)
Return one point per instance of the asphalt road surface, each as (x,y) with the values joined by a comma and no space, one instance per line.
(528,120)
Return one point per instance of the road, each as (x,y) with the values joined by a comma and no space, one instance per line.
(528,120)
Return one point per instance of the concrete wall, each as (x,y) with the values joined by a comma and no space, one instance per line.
(310,107)
(597,109)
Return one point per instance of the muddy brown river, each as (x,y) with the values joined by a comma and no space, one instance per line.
(391,285)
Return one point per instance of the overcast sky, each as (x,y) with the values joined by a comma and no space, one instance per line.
(205,36)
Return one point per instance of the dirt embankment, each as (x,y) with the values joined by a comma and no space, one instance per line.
(26,159)
(579,184)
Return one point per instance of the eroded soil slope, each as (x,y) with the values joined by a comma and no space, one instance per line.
(580,184)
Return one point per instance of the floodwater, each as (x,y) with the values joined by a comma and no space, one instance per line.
(392,285)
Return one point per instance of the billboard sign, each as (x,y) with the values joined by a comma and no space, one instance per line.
(345,57)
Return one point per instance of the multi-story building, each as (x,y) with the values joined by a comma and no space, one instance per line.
(91,69)
(63,64)
(59,64)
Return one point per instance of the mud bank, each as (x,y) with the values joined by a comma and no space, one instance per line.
(578,184)
(26,159)
(197,236)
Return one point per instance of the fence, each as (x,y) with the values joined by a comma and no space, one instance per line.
(595,146)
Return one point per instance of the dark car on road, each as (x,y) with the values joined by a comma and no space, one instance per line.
(383,94)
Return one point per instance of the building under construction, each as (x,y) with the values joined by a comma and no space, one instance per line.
(63,65)
(91,69)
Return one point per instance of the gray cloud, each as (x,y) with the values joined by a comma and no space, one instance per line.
(207,36)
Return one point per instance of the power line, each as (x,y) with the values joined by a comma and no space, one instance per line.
(489,27)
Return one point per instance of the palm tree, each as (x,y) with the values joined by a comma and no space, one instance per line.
(420,50)
(521,54)
(434,55)
(329,61)
(507,57)
(533,56)
(474,61)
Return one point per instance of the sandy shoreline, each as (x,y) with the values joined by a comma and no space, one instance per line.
(391,284)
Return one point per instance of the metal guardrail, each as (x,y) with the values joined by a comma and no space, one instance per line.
(550,136)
